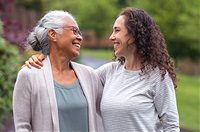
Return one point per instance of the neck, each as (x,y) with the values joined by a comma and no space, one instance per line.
(59,62)
(132,63)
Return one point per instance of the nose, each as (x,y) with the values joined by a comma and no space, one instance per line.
(112,37)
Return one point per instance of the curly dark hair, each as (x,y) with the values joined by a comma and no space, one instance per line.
(150,44)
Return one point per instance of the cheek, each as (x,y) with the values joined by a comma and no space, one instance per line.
(67,40)
(119,37)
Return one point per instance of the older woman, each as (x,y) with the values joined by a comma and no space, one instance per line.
(139,88)
(61,96)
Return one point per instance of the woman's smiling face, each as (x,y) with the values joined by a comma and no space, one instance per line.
(120,37)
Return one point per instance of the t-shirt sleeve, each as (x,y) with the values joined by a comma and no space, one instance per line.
(165,103)
(106,71)
(102,73)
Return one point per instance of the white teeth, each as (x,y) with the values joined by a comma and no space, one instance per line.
(77,45)
(115,46)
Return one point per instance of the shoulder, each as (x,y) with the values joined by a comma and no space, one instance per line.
(26,72)
(156,73)
(158,80)
(23,79)
(108,69)
(85,70)
(81,66)
(110,66)
(23,73)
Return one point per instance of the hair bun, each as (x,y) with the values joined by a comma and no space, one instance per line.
(34,42)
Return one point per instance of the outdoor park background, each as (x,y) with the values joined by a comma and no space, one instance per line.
(179,21)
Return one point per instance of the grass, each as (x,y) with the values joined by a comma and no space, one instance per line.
(188,93)
(98,53)
(188,100)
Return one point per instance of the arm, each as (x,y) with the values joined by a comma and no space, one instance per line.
(165,103)
(101,75)
(102,72)
(99,92)
(22,103)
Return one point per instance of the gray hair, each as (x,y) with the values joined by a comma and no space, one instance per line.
(38,38)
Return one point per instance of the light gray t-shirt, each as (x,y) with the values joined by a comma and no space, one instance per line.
(134,103)
(72,107)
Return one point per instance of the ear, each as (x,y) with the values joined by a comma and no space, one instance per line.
(52,35)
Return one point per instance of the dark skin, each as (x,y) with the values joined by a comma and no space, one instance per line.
(63,48)
(61,69)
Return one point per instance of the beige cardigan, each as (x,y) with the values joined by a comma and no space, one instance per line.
(34,100)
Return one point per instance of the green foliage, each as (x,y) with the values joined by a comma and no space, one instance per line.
(179,22)
(188,100)
(178,19)
(9,60)
(97,15)
(30,4)
(121,3)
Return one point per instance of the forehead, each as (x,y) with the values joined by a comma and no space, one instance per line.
(120,21)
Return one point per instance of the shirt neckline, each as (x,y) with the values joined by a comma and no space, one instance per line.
(65,86)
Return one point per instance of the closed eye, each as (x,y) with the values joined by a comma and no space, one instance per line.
(76,31)
(116,29)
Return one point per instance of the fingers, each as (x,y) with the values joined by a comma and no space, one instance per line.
(30,62)
(26,64)
(35,60)
(41,57)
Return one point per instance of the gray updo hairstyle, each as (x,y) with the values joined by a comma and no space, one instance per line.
(38,38)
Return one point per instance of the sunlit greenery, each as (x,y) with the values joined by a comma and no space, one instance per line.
(188,99)
(9,65)
(178,19)
(179,22)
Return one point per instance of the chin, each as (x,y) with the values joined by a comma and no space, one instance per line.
(76,54)
(117,54)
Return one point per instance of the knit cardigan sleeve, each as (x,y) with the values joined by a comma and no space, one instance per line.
(22,102)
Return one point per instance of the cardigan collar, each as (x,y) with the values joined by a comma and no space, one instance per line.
(51,91)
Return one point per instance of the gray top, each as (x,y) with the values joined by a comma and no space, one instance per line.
(134,103)
(72,107)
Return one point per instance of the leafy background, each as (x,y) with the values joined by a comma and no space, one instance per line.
(179,21)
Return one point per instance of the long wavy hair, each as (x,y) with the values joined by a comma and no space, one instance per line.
(149,42)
